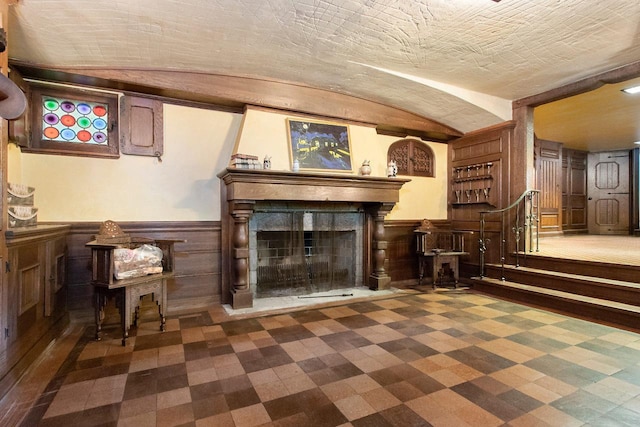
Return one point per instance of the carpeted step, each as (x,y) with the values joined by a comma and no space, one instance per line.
(596,287)
(597,309)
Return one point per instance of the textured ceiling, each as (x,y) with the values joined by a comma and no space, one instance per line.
(459,62)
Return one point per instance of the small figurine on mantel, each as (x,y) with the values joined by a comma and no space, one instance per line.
(392,169)
(267,162)
(365,169)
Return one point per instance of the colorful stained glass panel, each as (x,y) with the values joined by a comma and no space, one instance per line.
(69,120)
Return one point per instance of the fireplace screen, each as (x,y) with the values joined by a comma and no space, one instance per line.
(302,252)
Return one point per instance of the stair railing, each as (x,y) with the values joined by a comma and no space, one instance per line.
(526,227)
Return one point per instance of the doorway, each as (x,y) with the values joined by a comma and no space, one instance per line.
(608,192)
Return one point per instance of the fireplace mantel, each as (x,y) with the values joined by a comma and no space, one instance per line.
(241,189)
(267,185)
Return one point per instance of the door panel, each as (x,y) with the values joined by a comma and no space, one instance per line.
(549,182)
(608,192)
(574,190)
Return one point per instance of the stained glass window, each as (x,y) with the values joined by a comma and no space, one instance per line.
(73,121)
(70,120)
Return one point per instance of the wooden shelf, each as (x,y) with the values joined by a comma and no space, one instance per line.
(470,203)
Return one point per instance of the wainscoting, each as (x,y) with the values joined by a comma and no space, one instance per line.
(197,280)
(196,285)
(401,250)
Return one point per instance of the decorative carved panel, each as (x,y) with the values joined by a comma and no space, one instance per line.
(29,286)
(413,157)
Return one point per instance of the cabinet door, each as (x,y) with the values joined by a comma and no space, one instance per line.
(141,126)
(25,296)
(54,295)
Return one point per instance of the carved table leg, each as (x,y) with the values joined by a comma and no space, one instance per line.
(100,302)
(163,320)
(162,304)
(125,313)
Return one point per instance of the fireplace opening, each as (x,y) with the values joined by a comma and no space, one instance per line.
(299,252)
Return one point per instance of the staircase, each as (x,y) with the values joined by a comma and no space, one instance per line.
(597,291)
(602,292)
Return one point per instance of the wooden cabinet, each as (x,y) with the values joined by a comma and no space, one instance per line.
(34,304)
(141,126)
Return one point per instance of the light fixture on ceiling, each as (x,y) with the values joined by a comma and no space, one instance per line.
(631,90)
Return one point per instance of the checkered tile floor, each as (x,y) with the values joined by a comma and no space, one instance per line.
(450,358)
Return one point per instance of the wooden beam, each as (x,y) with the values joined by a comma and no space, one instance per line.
(585,85)
(237,92)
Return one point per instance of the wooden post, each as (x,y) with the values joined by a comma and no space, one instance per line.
(241,294)
(379,279)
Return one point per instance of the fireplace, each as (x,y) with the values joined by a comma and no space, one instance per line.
(292,233)
(296,251)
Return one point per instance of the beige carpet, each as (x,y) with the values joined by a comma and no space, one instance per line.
(611,249)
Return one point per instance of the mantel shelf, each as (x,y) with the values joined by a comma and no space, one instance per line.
(267,184)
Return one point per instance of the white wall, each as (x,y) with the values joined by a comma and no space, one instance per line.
(265,133)
(183,187)
(198,144)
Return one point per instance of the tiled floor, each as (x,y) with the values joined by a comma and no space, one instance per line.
(446,358)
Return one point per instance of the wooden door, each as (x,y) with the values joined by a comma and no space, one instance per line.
(608,191)
(574,190)
(549,178)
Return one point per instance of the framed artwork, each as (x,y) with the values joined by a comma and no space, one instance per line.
(319,146)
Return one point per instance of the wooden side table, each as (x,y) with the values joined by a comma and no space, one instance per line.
(127,292)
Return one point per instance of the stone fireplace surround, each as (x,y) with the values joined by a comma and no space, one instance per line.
(242,189)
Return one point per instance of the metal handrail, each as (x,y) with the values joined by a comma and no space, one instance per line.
(525,223)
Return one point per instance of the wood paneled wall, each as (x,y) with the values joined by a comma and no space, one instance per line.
(198,263)
(401,249)
(492,145)
(197,281)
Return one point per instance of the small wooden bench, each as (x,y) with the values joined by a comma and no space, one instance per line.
(127,292)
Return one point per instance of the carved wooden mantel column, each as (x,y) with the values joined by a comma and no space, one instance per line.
(379,278)
(241,189)
(241,212)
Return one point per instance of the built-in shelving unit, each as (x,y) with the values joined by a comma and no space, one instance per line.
(472,184)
